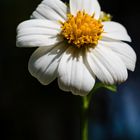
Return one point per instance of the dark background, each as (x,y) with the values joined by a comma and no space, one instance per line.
(30,111)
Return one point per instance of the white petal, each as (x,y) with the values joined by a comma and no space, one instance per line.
(114,30)
(106,65)
(37,32)
(124,51)
(37,41)
(89,6)
(51,9)
(39,23)
(44,62)
(73,73)
(58,6)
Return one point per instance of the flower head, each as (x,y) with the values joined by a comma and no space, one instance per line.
(76,46)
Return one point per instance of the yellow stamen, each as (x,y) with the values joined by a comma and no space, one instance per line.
(82,29)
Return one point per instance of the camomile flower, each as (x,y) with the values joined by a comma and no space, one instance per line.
(76,46)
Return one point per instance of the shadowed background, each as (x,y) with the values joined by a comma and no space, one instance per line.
(30,111)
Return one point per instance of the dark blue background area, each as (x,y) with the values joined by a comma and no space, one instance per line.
(30,111)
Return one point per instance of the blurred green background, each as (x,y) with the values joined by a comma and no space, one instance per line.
(30,111)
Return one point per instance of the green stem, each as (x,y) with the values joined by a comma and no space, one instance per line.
(85,108)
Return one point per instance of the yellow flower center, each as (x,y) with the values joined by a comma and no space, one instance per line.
(82,30)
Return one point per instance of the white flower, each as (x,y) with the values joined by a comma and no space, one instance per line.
(75,46)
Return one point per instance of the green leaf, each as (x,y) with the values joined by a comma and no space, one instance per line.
(98,86)
(111,87)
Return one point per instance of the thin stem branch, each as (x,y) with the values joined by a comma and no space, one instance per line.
(85,108)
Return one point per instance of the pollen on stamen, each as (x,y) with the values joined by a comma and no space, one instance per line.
(82,29)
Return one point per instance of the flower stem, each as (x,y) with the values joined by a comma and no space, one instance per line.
(85,108)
